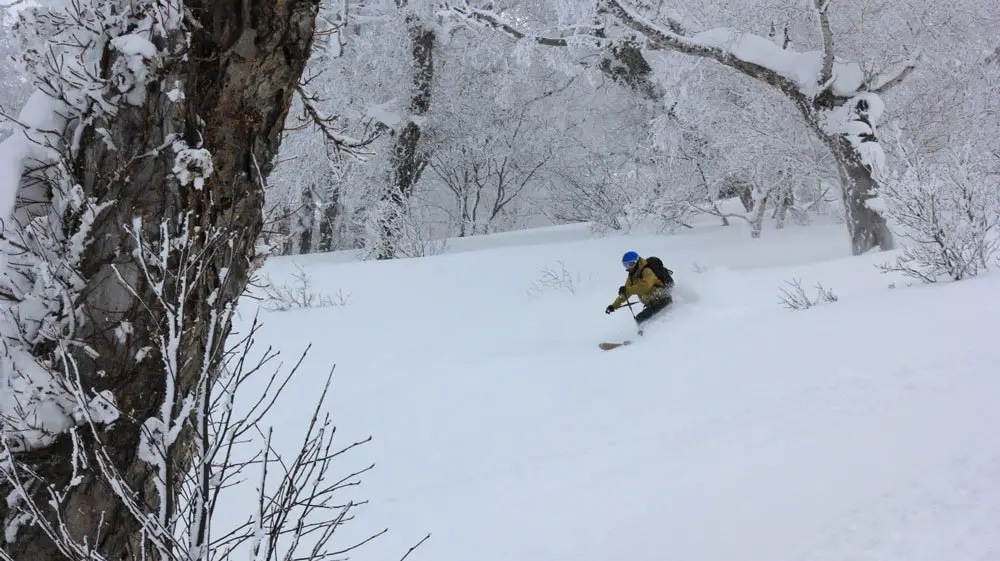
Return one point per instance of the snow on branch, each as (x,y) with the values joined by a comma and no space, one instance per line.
(46,400)
(754,56)
(883,83)
(336,140)
(838,109)
(298,510)
(65,47)
(486,18)
(42,398)
(948,215)
(807,73)
(300,294)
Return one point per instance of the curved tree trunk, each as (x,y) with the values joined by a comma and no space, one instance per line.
(244,60)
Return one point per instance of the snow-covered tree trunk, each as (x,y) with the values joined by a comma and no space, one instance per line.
(408,161)
(757,220)
(785,202)
(306,219)
(734,187)
(867,226)
(328,215)
(285,232)
(784,198)
(156,180)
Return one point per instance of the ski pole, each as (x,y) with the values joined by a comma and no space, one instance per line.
(637,326)
(629,304)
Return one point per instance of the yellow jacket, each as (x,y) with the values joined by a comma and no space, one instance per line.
(641,282)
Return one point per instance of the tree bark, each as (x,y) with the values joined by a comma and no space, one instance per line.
(238,76)
(867,227)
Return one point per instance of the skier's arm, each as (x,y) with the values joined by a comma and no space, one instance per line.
(647,281)
(620,300)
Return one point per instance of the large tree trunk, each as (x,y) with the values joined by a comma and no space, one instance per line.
(867,227)
(238,76)
(407,160)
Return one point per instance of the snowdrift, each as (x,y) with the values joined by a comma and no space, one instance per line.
(735,429)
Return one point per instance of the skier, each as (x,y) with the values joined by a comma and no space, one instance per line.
(649,280)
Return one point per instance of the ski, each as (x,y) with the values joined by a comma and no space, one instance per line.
(609,346)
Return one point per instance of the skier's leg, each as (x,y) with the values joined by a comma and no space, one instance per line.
(652,308)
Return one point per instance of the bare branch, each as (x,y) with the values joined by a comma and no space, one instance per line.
(887,84)
(414,547)
(796,298)
(340,142)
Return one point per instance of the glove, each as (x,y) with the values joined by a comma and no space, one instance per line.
(621,290)
(609,309)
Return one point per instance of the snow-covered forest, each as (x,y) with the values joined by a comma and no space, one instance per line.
(422,120)
(497,116)
(155,154)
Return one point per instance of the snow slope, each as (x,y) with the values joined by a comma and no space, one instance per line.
(734,430)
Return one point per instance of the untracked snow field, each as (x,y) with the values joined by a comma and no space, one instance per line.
(735,429)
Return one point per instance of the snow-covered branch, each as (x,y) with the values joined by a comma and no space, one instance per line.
(795,296)
(47,238)
(948,215)
(883,83)
(340,143)
(175,507)
(487,18)
(754,56)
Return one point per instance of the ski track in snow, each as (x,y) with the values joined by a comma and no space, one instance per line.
(732,430)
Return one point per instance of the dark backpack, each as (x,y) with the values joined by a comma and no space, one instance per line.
(661,272)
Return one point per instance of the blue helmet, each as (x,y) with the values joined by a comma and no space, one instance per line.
(629,259)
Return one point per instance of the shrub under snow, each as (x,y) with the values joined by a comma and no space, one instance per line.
(947,216)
